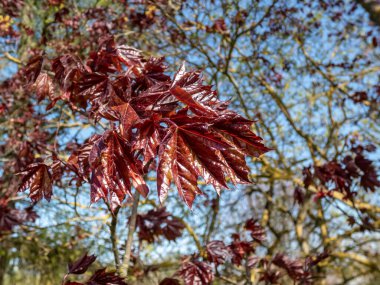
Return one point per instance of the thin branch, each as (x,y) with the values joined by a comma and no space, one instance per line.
(12,58)
(131,230)
(114,239)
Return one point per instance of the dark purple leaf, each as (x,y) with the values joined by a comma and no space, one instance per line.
(33,68)
(38,179)
(196,273)
(257,231)
(157,223)
(82,264)
(101,277)
(217,252)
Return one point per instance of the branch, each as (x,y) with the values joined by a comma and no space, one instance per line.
(193,235)
(12,58)
(284,109)
(357,258)
(115,249)
(339,196)
(131,230)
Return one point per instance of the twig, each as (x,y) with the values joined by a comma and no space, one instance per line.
(12,58)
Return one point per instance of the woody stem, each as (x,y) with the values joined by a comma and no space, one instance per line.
(128,243)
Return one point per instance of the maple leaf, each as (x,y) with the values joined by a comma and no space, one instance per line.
(9,218)
(109,98)
(188,88)
(93,85)
(109,53)
(57,168)
(240,249)
(82,264)
(173,229)
(237,130)
(156,223)
(153,72)
(180,121)
(332,171)
(156,98)
(113,169)
(350,166)
(298,195)
(28,214)
(38,179)
(217,252)
(294,268)
(101,277)
(204,146)
(257,231)
(44,87)
(186,98)
(147,138)
(176,162)
(270,276)
(342,175)
(33,68)
(220,26)
(68,70)
(79,159)
(112,166)
(196,273)
(129,55)
(308,177)
(369,180)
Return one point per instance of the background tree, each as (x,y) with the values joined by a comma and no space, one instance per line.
(308,72)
